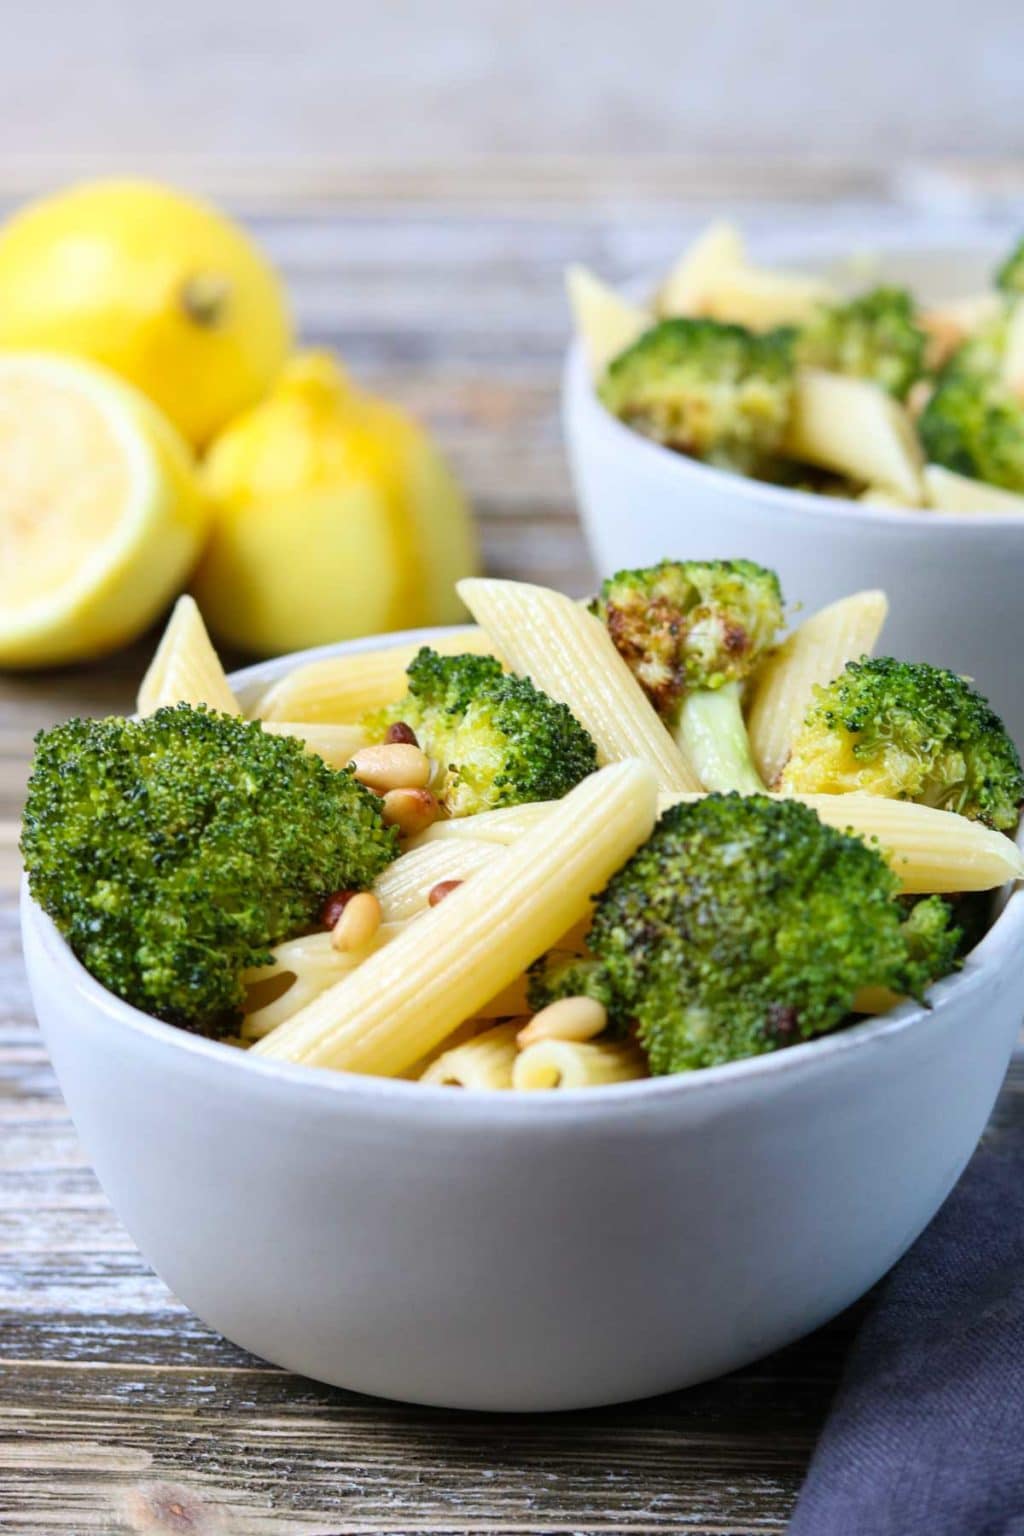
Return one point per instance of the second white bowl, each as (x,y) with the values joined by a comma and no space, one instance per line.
(954,581)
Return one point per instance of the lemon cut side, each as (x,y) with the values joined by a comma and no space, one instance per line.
(100,515)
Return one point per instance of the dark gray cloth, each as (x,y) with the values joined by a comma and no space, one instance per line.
(926,1435)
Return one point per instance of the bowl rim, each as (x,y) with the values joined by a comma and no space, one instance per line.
(583,410)
(1003,939)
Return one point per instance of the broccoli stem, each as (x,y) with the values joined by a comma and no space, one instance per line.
(711,732)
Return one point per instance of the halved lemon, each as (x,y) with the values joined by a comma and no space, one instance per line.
(101,519)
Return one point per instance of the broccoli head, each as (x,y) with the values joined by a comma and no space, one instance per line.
(498,739)
(563,973)
(912,732)
(973,422)
(1010,276)
(872,337)
(744,924)
(174,850)
(717,392)
(692,631)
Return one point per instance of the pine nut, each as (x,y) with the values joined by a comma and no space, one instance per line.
(334,906)
(392,765)
(358,922)
(442,889)
(401,732)
(410,810)
(571,1018)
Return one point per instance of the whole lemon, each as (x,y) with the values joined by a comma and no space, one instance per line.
(333,516)
(160,288)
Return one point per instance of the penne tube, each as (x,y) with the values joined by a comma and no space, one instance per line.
(485,1062)
(342,688)
(510,1002)
(186,669)
(576,1064)
(402,1001)
(308,966)
(933,852)
(405,886)
(813,654)
(604,321)
(950,492)
(334,743)
(570,655)
(853,427)
(716,250)
(503,827)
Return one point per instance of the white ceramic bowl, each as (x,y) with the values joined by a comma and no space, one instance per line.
(954,581)
(534,1251)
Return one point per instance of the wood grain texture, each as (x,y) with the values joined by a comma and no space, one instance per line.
(119,1411)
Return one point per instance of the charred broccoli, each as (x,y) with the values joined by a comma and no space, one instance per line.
(498,739)
(174,850)
(1010,276)
(973,422)
(913,732)
(562,973)
(692,631)
(871,337)
(744,924)
(717,392)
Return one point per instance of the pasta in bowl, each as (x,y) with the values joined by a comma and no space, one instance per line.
(855,497)
(473,1248)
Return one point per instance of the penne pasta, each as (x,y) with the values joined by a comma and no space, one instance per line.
(576,1064)
(403,1000)
(950,492)
(186,669)
(604,321)
(301,969)
(334,743)
(342,688)
(813,654)
(933,852)
(404,887)
(485,1062)
(716,250)
(854,428)
(930,850)
(503,827)
(570,655)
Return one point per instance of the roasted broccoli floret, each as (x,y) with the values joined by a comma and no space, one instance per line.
(872,337)
(174,850)
(498,740)
(1010,276)
(716,392)
(973,423)
(912,732)
(692,631)
(562,973)
(744,924)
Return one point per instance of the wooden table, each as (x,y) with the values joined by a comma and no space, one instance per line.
(119,1412)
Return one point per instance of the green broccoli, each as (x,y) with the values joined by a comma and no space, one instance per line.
(912,732)
(1010,276)
(562,973)
(692,631)
(716,392)
(871,337)
(174,851)
(744,924)
(973,423)
(498,739)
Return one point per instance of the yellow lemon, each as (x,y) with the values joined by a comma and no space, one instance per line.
(160,288)
(100,514)
(333,516)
